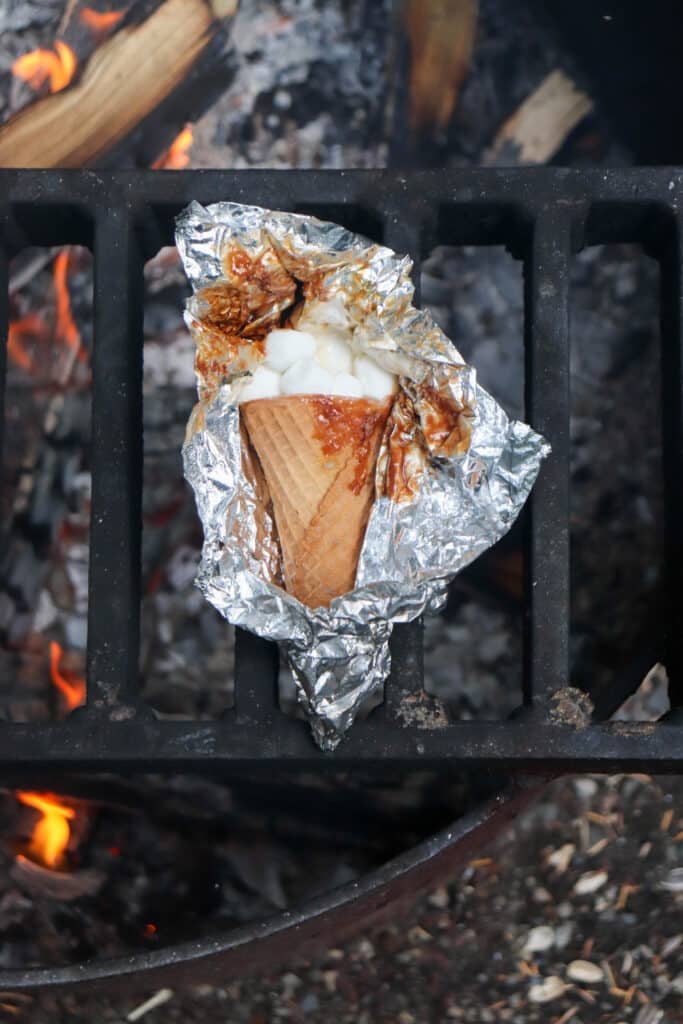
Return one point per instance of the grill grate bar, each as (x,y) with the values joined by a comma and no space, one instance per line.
(116,447)
(671,276)
(4,332)
(546,279)
(407,670)
(256,693)
(533,211)
(77,745)
(404,235)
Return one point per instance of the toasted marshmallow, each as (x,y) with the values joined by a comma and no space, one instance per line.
(325,316)
(284,347)
(306,378)
(264,383)
(376,382)
(348,385)
(319,360)
(333,354)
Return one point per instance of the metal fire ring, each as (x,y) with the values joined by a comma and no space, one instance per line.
(263,945)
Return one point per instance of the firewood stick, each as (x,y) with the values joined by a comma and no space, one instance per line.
(441,41)
(27,272)
(126,78)
(539,126)
(66,17)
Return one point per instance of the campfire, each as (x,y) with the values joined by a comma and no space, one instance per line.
(51,832)
(100,23)
(24,332)
(35,338)
(71,689)
(65,328)
(177,155)
(188,84)
(40,66)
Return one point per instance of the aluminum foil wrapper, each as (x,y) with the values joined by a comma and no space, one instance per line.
(452,474)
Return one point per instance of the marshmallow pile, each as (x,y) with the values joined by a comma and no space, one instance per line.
(317,358)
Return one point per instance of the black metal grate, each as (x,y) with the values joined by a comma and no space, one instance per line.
(543,215)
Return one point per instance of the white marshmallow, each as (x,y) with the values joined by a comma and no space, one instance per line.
(328,314)
(284,347)
(306,378)
(264,383)
(347,384)
(333,354)
(377,383)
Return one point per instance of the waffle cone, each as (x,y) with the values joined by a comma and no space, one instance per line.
(318,455)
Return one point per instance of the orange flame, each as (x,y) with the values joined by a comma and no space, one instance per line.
(33,328)
(38,66)
(28,327)
(66,328)
(177,155)
(100,22)
(72,690)
(52,831)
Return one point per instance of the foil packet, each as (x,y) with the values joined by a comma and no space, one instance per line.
(452,474)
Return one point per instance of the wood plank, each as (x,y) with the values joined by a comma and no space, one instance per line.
(126,78)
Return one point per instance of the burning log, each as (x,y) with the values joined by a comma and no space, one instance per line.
(126,78)
(55,885)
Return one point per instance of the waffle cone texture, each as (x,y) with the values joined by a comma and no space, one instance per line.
(318,454)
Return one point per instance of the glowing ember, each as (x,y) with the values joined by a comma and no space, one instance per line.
(38,66)
(29,328)
(72,690)
(100,22)
(65,329)
(52,831)
(150,930)
(177,155)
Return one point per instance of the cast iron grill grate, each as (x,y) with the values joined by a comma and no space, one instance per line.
(543,216)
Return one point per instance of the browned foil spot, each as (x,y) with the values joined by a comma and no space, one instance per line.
(403,456)
(264,286)
(445,423)
(220,354)
(235,314)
